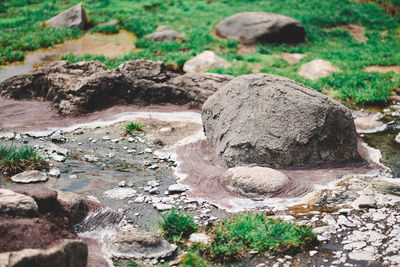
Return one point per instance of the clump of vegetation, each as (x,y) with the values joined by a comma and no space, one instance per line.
(177,227)
(125,263)
(14,160)
(241,233)
(134,127)
(193,259)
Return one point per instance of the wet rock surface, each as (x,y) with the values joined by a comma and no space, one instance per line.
(82,86)
(260,27)
(245,118)
(255,180)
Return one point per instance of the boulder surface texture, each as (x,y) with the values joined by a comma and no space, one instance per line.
(86,86)
(260,27)
(276,122)
(75,17)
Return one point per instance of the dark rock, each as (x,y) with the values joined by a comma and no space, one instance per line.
(74,204)
(260,27)
(45,198)
(87,86)
(276,122)
(16,204)
(75,17)
(65,253)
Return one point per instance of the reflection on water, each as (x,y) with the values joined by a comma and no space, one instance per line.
(104,44)
(384,141)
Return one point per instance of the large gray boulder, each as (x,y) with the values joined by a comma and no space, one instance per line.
(75,17)
(87,86)
(261,27)
(276,122)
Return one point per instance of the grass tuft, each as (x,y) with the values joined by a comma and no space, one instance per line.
(14,160)
(254,231)
(193,259)
(177,227)
(134,127)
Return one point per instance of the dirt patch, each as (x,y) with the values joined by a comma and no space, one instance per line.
(246,49)
(357,31)
(383,69)
(292,58)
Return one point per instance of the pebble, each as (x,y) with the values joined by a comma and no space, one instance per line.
(177,188)
(73,176)
(122,184)
(54,173)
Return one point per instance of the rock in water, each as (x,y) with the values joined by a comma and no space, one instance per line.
(205,61)
(317,68)
(276,122)
(139,245)
(75,17)
(260,27)
(30,177)
(254,180)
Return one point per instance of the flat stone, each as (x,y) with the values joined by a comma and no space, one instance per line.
(16,204)
(58,158)
(162,206)
(30,177)
(54,173)
(254,180)
(90,158)
(362,256)
(317,68)
(205,61)
(177,188)
(364,202)
(120,193)
(138,245)
(57,137)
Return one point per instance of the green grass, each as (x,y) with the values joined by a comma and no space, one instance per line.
(106,29)
(242,233)
(177,227)
(22,30)
(134,127)
(14,160)
(193,259)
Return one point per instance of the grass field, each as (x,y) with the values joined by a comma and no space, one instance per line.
(22,29)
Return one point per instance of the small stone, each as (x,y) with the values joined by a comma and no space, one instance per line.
(122,184)
(73,176)
(312,252)
(57,137)
(116,140)
(111,155)
(131,140)
(58,158)
(362,256)
(93,141)
(90,158)
(130,184)
(162,206)
(139,199)
(154,190)
(177,188)
(148,150)
(120,193)
(54,173)
(153,183)
(106,138)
